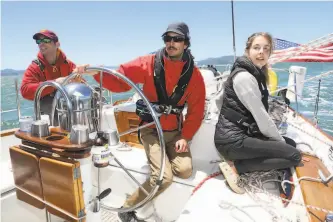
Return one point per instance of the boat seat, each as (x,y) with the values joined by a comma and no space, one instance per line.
(52,179)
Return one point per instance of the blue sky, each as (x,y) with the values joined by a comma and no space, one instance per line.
(112,33)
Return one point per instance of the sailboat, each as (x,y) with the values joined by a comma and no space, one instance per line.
(56,173)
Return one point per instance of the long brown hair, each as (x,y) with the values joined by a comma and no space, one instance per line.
(249,44)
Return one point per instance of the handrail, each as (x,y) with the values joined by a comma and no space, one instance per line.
(215,78)
(307,80)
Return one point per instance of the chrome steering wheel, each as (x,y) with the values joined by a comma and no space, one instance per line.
(159,132)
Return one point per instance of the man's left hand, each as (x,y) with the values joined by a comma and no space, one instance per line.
(181,146)
(81,69)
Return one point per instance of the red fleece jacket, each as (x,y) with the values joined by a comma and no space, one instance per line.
(34,76)
(141,70)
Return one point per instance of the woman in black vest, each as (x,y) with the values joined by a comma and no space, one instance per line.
(245,133)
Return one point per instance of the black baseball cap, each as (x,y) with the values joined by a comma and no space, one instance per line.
(180,28)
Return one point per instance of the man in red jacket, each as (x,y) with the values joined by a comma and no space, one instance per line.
(51,64)
(176,60)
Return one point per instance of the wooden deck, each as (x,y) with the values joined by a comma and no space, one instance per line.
(315,193)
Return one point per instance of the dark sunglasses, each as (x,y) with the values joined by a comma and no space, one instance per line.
(168,38)
(39,41)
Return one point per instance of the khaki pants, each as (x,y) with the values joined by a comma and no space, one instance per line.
(178,164)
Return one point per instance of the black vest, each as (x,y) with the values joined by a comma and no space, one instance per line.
(164,101)
(159,78)
(166,104)
(236,121)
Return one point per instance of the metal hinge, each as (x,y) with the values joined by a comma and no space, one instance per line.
(77,173)
(82,213)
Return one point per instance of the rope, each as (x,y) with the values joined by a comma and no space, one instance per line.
(307,80)
(314,137)
(51,205)
(317,105)
(294,202)
(253,184)
(204,180)
(258,179)
(229,206)
(281,70)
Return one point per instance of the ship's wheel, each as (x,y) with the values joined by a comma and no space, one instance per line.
(149,195)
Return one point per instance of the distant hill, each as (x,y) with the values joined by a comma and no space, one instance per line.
(11,72)
(218,60)
(208,61)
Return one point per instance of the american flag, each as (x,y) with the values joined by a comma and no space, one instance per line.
(283,44)
(282,48)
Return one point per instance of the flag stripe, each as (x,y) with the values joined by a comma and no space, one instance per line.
(310,59)
(284,48)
